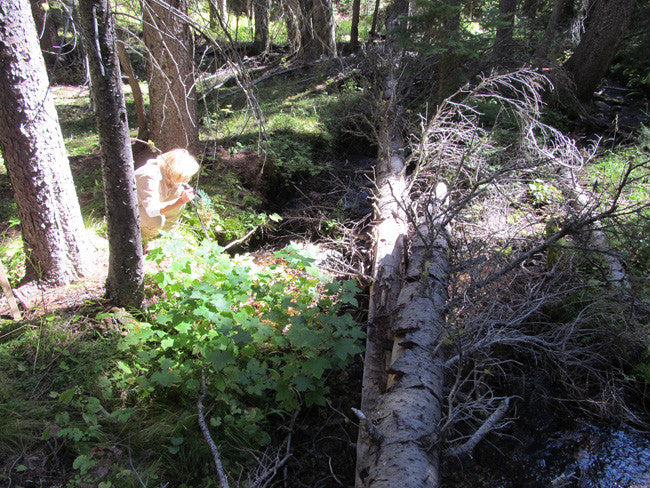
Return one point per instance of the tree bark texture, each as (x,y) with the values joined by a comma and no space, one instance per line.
(262,38)
(398,444)
(503,42)
(354,26)
(375,19)
(292,21)
(448,58)
(396,12)
(604,30)
(408,414)
(172,91)
(124,284)
(388,272)
(324,30)
(304,10)
(541,53)
(53,231)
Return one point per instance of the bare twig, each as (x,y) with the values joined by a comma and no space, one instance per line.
(135,471)
(241,239)
(487,426)
(366,425)
(216,456)
(268,472)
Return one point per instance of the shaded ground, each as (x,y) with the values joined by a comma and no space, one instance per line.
(36,301)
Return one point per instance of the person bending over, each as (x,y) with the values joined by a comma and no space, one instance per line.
(163,190)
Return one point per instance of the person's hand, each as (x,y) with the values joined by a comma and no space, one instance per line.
(187,195)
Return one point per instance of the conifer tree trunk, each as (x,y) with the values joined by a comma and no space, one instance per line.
(124,284)
(503,42)
(262,38)
(32,145)
(305,29)
(324,30)
(291,13)
(604,30)
(541,53)
(170,70)
(47,32)
(354,27)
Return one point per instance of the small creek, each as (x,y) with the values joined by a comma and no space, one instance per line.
(578,456)
(589,457)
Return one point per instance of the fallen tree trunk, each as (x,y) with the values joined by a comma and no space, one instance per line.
(616,274)
(388,271)
(403,376)
(407,416)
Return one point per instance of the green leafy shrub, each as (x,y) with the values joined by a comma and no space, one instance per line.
(222,221)
(264,335)
(544,193)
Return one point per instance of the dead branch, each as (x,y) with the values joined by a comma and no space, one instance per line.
(270,464)
(216,456)
(488,426)
(366,425)
(502,286)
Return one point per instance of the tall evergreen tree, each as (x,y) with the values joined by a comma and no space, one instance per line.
(262,37)
(604,30)
(170,71)
(503,42)
(53,231)
(124,284)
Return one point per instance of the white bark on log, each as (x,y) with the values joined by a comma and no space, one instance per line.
(617,274)
(398,444)
(408,413)
(388,272)
(405,408)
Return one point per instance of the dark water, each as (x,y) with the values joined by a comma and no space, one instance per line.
(577,456)
(612,458)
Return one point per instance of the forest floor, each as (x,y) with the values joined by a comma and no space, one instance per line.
(334,208)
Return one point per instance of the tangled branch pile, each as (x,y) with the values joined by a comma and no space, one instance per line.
(539,299)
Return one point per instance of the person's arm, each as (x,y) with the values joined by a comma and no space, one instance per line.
(187,195)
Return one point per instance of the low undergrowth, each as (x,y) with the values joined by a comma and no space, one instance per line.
(112,400)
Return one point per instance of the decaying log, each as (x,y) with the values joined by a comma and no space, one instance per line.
(408,414)
(403,375)
(388,270)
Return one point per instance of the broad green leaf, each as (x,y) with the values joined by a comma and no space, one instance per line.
(165,378)
(300,336)
(315,366)
(302,383)
(346,347)
(220,358)
(66,396)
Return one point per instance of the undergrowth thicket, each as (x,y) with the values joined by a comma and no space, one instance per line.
(118,399)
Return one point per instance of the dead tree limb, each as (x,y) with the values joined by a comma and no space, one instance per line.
(489,424)
(388,265)
(216,456)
